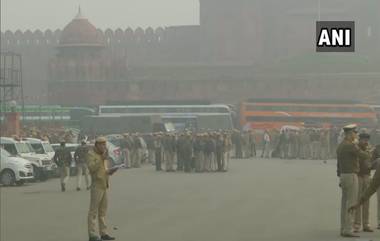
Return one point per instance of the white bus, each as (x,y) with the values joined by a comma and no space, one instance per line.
(196,117)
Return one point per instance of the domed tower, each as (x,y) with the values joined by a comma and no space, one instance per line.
(80,55)
(80,36)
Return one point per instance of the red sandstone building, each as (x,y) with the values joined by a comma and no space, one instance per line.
(225,58)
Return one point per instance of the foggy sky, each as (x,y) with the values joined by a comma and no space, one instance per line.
(53,14)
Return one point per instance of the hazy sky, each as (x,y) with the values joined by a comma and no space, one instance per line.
(43,14)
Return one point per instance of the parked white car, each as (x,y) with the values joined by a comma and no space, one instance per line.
(42,164)
(41,147)
(14,170)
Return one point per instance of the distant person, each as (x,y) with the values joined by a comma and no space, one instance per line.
(266,145)
(62,158)
(364,178)
(81,165)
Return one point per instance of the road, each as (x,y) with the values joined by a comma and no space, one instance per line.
(258,199)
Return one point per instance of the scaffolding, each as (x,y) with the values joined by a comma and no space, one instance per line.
(11,86)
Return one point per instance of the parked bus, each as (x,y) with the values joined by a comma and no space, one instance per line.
(376,108)
(196,117)
(69,116)
(275,113)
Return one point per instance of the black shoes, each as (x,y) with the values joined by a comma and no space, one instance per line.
(107,237)
(94,239)
(78,189)
(63,188)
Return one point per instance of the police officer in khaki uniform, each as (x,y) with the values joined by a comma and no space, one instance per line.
(373,187)
(63,159)
(348,155)
(364,178)
(98,167)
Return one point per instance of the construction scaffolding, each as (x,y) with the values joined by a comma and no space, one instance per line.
(11,86)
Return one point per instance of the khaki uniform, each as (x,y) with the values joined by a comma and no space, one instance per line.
(97,165)
(348,155)
(373,186)
(364,178)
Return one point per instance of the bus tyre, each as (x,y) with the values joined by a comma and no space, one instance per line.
(7,177)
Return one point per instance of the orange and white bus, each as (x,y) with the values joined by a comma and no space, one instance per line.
(275,113)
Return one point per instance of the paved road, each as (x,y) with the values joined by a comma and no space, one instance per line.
(276,200)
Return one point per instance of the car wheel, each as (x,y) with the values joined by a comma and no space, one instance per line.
(7,178)
(44,176)
(20,183)
(39,175)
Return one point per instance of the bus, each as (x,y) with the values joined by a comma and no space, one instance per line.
(275,113)
(195,117)
(377,110)
(49,114)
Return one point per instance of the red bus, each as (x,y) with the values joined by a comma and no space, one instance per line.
(275,113)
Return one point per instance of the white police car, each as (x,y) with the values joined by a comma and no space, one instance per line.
(14,170)
(41,163)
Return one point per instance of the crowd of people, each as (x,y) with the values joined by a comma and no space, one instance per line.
(293,143)
(186,151)
(211,151)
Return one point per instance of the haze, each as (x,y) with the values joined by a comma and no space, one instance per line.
(53,14)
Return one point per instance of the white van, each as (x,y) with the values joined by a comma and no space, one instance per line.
(41,147)
(14,170)
(42,164)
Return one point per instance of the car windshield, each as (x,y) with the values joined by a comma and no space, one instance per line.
(48,147)
(23,148)
(4,153)
(38,148)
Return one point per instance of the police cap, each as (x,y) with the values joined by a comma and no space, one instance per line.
(101,139)
(351,127)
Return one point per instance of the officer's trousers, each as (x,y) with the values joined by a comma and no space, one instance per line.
(98,210)
(362,213)
(169,160)
(82,170)
(127,157)
(207,161)
(225,160)
(378,207)
(151,156)
(158,157)
(64,172)
(266,150)
(349,186)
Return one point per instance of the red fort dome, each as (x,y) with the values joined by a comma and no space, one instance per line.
(80,32)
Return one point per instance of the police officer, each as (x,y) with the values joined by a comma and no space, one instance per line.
(158,151)
(63,159)
(348,155)
(81,165)
(98,167)
(373,187)
(364,178)
(187,152)
(180,152)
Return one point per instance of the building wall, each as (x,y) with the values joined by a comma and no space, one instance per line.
(220,90)
(231,33)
